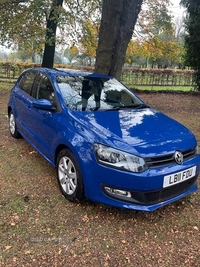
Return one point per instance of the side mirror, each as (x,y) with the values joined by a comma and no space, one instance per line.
(43,104)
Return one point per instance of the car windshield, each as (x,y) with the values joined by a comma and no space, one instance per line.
(92,94)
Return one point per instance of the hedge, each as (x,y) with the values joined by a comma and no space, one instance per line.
(130,76)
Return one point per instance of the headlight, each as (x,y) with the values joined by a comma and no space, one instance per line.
(119,159)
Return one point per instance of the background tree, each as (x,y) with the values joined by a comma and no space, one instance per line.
(154,18)
(156,34)
(71,53)
(31,25)
(90,39)
(3,56)
(179,28)
(24,23)
(192,38)
(134,54)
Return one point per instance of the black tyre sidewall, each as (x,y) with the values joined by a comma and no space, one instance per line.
(78,195)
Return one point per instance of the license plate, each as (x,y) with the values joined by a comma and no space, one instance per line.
(179,177)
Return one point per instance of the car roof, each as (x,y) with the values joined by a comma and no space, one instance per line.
(70,72)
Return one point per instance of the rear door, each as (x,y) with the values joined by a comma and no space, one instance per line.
(22,99)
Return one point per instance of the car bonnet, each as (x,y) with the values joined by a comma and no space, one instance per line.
(145,131)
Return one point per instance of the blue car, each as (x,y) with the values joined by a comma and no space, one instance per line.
(106,144)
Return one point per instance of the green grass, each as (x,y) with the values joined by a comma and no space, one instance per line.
(6,85)
(162,88)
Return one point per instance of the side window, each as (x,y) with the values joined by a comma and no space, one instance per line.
(26,82)
(43,88)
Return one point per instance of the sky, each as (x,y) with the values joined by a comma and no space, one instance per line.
(176,9)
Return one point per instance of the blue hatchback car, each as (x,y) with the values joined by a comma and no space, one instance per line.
(106,144)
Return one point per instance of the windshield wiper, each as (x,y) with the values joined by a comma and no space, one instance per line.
(114,108)
(141,106)
(138,106)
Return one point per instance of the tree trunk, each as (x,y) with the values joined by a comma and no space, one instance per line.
(117,26)
(52,21)
(33,57)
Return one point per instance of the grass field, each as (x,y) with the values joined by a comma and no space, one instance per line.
(163,88)
(5,85)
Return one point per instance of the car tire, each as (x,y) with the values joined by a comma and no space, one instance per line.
(12,126)
(69,176)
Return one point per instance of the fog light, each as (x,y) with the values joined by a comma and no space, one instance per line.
(115,191)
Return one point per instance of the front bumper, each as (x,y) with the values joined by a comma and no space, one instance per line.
(144,190)
(150,198)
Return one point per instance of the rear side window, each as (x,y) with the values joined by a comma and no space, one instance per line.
(26,82)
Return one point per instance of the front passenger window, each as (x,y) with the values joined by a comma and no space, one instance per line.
(43,88)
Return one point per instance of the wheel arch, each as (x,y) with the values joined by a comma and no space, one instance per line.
(58,149)
(63,146)
(9,110)
(73,150)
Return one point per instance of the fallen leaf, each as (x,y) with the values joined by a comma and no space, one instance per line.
(8,247)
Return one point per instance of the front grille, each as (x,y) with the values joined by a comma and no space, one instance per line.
(169,192)
(169,159)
